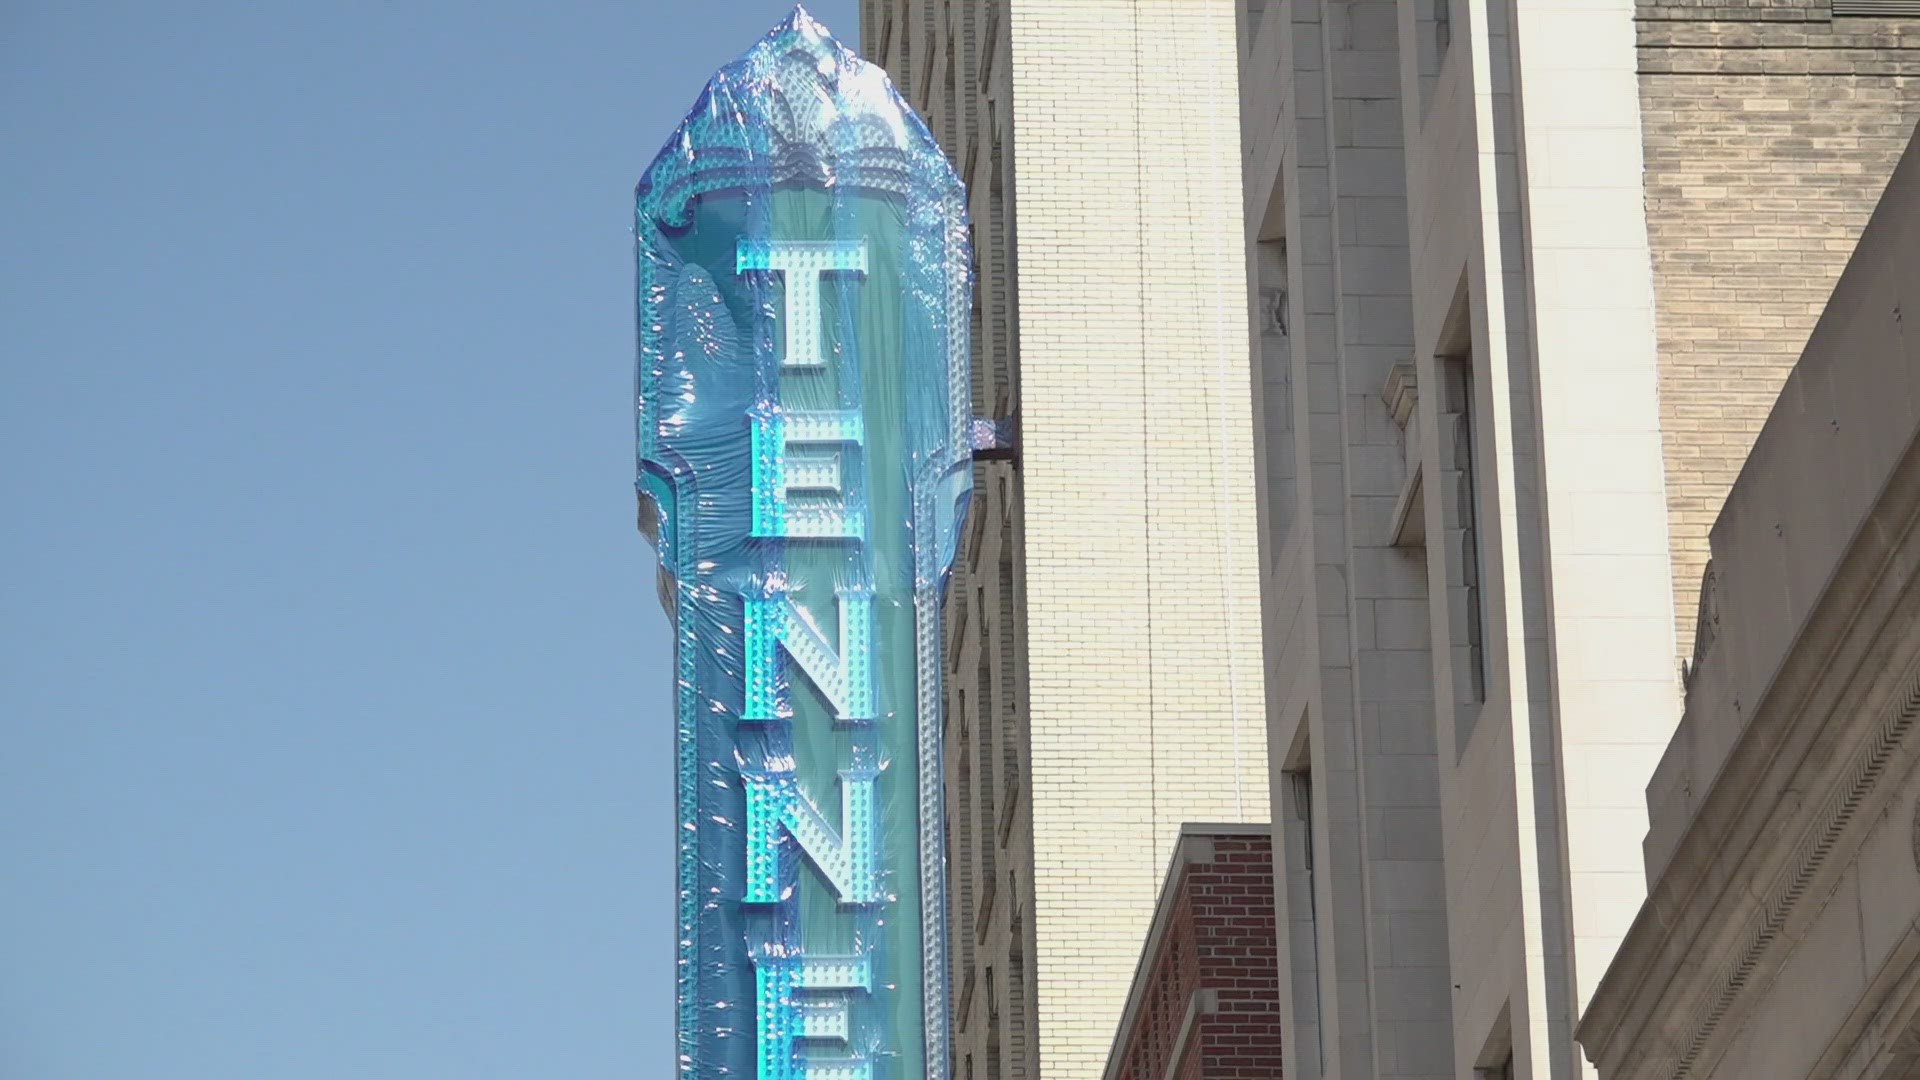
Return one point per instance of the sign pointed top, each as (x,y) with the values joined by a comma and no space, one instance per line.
(796,107)
(802,19)
(800,25)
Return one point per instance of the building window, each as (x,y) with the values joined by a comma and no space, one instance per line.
(1299,867)
(1461,487)
(993,1030)
(986,44)
(1472,563)
(1434,30)
(1017,997)
(1274,357)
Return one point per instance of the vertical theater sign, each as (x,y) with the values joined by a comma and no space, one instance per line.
(803,423)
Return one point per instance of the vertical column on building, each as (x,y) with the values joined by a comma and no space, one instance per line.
(1615,692)
(1380,904)
(1342,1009)
(1266,121)
(1400,837)
(1484,427)
(1510,750)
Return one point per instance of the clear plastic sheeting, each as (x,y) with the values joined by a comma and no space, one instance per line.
(804,442)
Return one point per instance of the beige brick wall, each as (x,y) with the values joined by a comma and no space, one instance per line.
(1104,671)
(1143,608)
(1768,142)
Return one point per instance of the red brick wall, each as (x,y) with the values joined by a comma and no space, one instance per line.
(1219,937)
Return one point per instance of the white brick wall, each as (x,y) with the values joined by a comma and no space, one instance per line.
(1143,608)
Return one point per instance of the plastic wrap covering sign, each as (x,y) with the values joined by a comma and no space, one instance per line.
(804,431)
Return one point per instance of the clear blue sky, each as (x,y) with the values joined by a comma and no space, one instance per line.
(334,716)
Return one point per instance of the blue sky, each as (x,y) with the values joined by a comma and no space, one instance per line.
(334,722)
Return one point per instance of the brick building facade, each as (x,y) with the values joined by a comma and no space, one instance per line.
(1204,1003)
(1769,133)
(1104,680)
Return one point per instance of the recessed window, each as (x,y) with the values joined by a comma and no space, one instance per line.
(1434,37)
(1462,489)
(1472,562)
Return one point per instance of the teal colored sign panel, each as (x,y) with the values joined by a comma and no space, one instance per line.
(803,429)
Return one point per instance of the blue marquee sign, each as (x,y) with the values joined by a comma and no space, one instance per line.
(803,426)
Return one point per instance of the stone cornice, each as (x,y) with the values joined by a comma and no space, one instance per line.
(1812,871)
(1783,817)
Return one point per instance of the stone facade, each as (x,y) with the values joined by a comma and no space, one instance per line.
(1524,278)
(1204,1004)
(1469,625)
(1106,682)
(1527,278)
(1781,938)
(1770,131)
